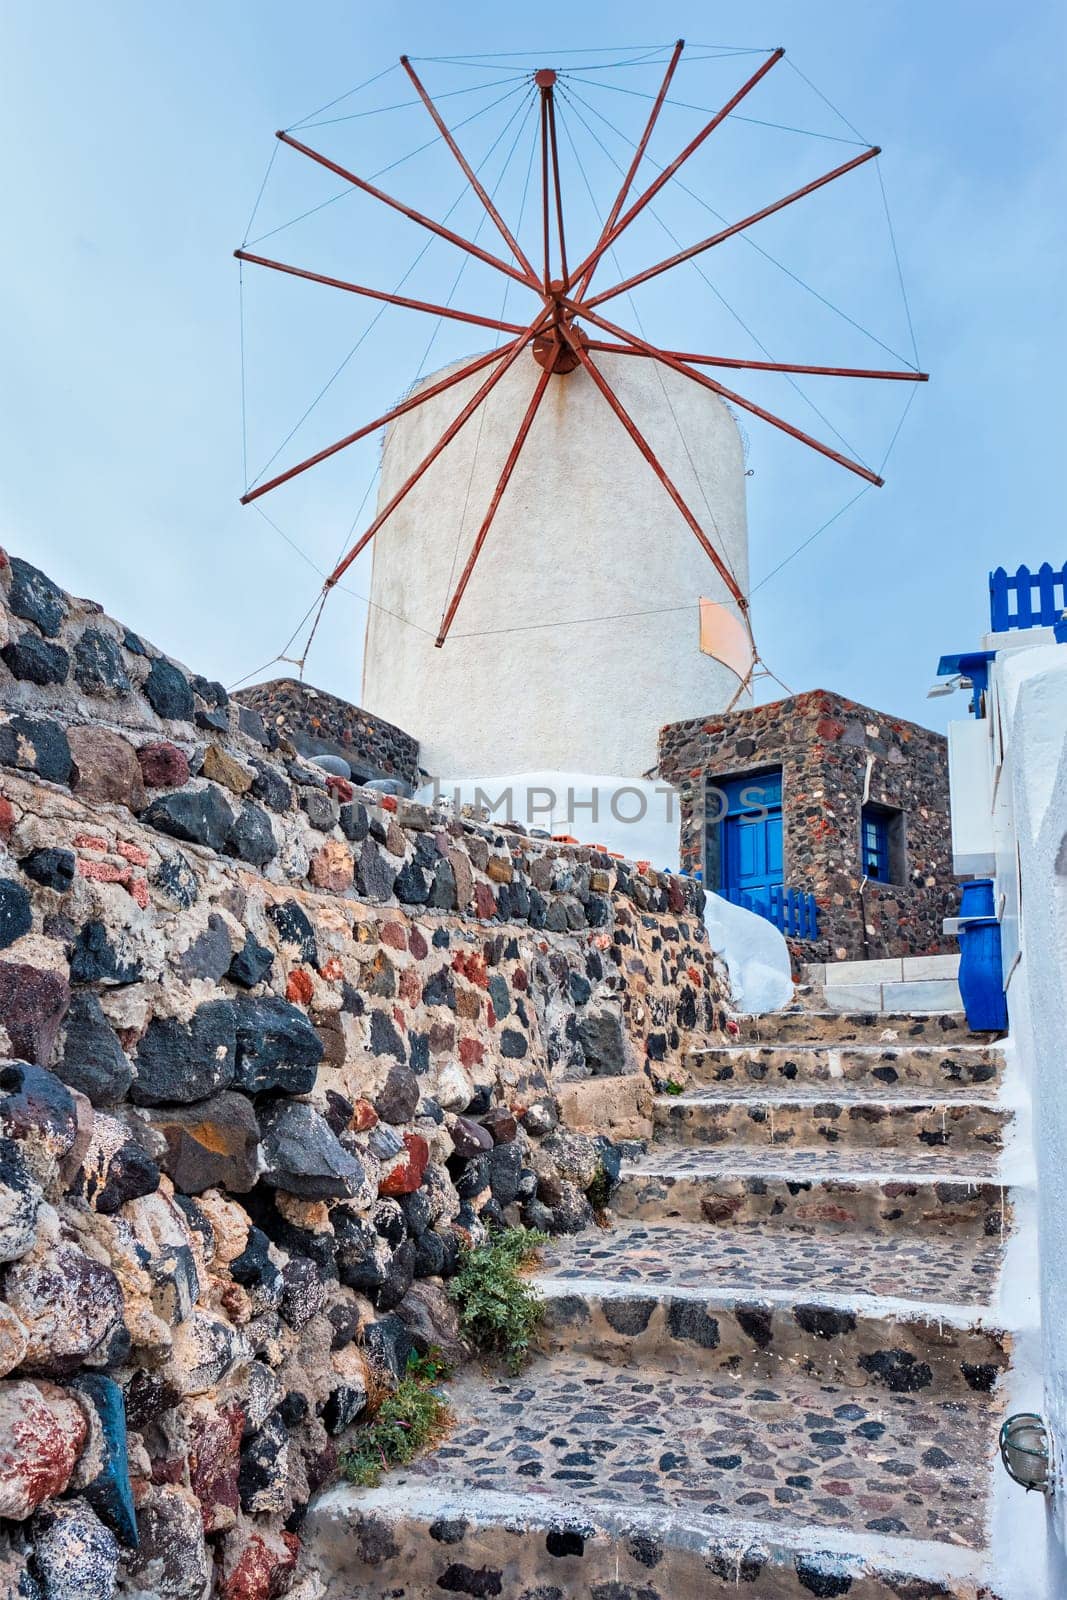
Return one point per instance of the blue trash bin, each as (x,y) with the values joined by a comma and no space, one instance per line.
(977,898)
(981,977)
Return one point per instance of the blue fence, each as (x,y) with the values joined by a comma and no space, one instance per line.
(1040,598)
(793,911)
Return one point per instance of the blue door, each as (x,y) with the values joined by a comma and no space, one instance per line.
(751,842)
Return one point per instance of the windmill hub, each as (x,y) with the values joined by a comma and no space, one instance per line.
(550,349)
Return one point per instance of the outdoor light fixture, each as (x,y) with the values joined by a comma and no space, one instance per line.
(1024,1450)
(947,686)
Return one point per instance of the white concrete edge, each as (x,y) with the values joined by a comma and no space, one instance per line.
(836,1094)
(1018,1522)
(726,1296)
(739,1168)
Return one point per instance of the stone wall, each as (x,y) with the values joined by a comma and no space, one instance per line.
(316,723)
(276,1047)
(825,745)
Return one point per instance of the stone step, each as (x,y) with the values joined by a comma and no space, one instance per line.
(580,1480)
(939,1191)
(862,1341)
(828,1114)
(749,1260)
(799,1024)
(880,1065)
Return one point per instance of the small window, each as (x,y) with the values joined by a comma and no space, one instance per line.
(881,844)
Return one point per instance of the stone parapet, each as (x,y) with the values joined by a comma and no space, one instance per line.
(278,1047)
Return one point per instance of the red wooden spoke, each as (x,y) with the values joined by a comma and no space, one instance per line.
(380,294)
(471,176)
(761,366)
(407,211)
(668,172)
(654,462)
(545,225)
(550,104)
(543,379)
(512,355)
(379,422)
(735,227)
(620,198)
(729,394)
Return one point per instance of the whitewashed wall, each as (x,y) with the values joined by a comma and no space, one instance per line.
(1024,741)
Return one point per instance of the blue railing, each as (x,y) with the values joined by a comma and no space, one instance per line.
(1047,587)
(793,911)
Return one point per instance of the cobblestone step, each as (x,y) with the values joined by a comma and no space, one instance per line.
(836,1187)
(665,1486)
(749,1259)
(866,1343)
(800,1024)
(827,1114)
(876,1064)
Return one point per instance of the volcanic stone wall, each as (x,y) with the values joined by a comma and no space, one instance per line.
(825,746)
(316,723)
(275,1048)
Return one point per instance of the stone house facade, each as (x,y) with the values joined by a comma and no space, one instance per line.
(844,770)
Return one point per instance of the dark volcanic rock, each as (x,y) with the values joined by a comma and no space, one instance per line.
(94,959)
(16,918)
(399,1096)
(178,1062)
(52,869)
(252,838)
(36,598)
(271,787)
(208,955)
(98,664)
(277,1048)
(32,1005)
(295,929)
(214,1143)
(175,878)
(603,1041)
(34,660)
(384,1038)
(168,692)
(75,1555)
(303,1156)
(470,1138)
(251,965)
(196,816)
(34,744)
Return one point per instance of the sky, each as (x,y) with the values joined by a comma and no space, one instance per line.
(135,142)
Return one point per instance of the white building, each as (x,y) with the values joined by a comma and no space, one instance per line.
(1008,770)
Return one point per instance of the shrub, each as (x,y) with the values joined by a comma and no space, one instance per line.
(415,1416)
(498,1310)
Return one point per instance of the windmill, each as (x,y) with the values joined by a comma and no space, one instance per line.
(571,338)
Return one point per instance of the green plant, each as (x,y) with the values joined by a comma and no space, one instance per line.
(670,1087)
(498,1310)
(415,1416)
(599,1191)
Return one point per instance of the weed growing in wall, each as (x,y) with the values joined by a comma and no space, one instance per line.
(498,1309)
(415,1416)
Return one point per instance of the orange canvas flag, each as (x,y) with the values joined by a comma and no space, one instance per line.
(724,636)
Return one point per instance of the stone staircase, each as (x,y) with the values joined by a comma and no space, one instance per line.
(775,1374)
